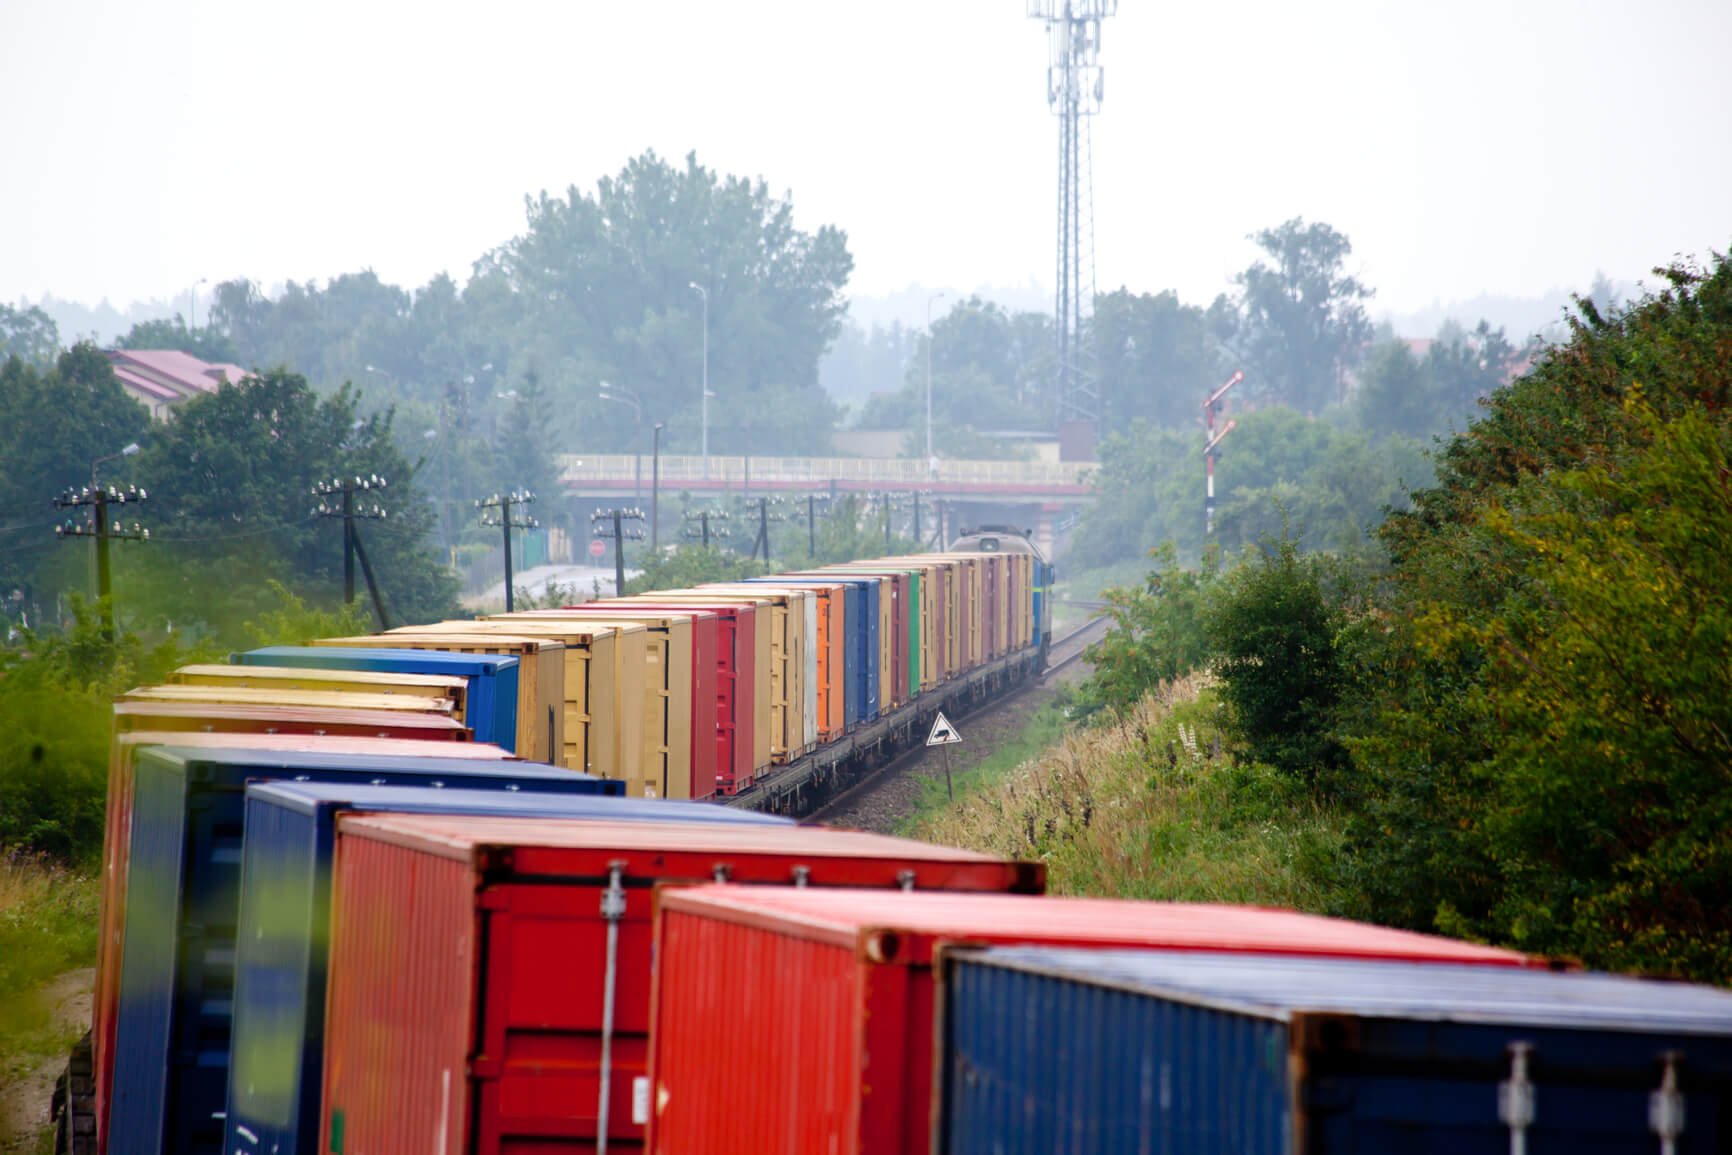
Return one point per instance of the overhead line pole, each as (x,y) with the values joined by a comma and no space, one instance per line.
(346,488)
(97,500)
(506,523)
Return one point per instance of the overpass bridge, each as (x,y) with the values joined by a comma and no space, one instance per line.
(1036,493)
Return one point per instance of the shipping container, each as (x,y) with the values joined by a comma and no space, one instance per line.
(603,682)
(182,895)
(117,844)
(934,622)
(627,674)
(736,683)
(540,678)
(1048,1050)
(309,699)
(283,944)
(220,717)
(808,641)
(860,963)
(490,703)
(905,655)
(790,720)
(687,703)
(859,645)
(830,654)
(427,687)
(763,698)
(510,921)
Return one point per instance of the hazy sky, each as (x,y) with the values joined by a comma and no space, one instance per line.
(1467,147)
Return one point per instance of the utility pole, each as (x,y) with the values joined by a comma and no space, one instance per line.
(656,488)
(97,500)
(703,517)
(763,541)
(507,523)
(1211,440)
(610,523)
(349,511)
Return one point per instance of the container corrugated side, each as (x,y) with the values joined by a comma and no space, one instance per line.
(181,898)
(1138,1050)
(283,941)
(538,885)
(889,941)
(235,727)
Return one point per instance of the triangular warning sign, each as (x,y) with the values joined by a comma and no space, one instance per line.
(943,733)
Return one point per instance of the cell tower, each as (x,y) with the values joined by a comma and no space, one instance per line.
(1073,89)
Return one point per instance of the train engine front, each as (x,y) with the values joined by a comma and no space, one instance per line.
(1010,539)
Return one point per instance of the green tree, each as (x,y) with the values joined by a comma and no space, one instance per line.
(1159,358)
(1304,317)
(29,334)
(206,344)
(1157,633)
(57,423)
(1273,628)
(230,479)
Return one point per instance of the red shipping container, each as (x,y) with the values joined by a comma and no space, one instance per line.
(469,965)
(736,684)
(841,1043)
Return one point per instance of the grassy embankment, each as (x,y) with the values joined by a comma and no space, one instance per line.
(1148,807)
(48,927)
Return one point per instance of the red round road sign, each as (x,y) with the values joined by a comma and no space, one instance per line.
(597,547)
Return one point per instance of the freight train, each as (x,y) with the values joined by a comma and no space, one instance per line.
(518,883)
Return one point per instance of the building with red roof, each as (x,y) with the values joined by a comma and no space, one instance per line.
(160,379)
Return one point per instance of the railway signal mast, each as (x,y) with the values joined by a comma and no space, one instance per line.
(1211,441)
(1073,90)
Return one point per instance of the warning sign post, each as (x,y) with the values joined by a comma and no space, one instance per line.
(945,735)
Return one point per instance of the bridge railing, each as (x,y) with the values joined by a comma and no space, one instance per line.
(576,468)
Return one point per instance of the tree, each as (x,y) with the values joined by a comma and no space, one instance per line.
(1158,358)
(1304,317)
(230,477)
(57,423)
(206,344)
(599,288)
(29,334)
(1157,633)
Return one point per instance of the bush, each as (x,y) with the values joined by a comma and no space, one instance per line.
(1157,633)
(1274,634)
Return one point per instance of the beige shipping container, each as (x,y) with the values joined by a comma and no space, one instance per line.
(427,686)
(278,696)
(804,659)
(603,734)
(540,676)
(766,715)
(662,709)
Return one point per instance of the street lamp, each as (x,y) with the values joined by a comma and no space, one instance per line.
(129,451)
(623,399)
(929,303)
(655,487)
(705,399)
(192,309)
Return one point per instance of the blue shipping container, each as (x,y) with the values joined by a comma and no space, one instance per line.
(183,903)
(1048,1050)
(491,712)
(282,951)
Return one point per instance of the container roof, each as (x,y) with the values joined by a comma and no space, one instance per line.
(1286,986)
(343,657)
(288,762)
(465,834)
(856,917)
(384,719)
(327,743)
(305,796)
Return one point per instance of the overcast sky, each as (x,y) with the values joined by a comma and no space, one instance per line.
(1470,147)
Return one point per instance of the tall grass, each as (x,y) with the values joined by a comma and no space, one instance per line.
(48,926)
(1154,805)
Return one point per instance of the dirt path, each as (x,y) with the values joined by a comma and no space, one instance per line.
(24,1109)
(891,799)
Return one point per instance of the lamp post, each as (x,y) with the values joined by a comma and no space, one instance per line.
(929,303)
(655,487)
(705,398)
(192,308)
(127,452)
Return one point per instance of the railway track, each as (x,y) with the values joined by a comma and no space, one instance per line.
(1064,651)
